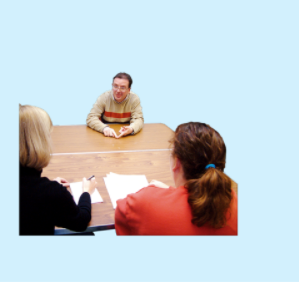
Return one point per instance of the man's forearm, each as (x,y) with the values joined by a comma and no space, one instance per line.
(95,123)
(137,124)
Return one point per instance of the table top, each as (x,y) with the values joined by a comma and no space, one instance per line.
(79,151)
(80,138)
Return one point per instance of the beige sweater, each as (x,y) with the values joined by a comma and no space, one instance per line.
(128,110)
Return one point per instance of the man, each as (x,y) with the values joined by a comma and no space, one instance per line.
(118,105)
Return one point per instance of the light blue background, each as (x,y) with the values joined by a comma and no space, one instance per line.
(231,64)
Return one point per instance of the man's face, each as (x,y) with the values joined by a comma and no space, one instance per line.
(120,89)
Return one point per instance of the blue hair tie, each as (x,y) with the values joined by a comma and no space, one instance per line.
(210,165)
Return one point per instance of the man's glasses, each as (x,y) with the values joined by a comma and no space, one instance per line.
(115,87)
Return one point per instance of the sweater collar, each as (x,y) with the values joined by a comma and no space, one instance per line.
(29,171)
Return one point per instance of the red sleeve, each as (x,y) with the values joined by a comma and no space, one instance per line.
(121,223)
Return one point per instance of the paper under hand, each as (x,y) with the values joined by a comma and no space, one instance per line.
(119,186)
(76,188)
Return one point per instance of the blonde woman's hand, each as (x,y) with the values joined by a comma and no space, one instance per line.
(89,185)
(62,181)
(158,184)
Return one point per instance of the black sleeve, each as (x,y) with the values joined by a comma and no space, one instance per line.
(68,214)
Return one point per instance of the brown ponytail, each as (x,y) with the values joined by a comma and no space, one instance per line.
(196,145)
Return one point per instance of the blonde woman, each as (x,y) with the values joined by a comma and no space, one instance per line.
(45,204)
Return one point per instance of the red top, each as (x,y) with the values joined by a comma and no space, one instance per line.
(159,211)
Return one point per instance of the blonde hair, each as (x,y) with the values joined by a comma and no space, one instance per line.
(35,128)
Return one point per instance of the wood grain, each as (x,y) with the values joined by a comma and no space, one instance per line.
(155,165)
(80,138)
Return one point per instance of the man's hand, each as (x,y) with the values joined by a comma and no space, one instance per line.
(125,130)
(158,184)
(62,181)
(109,132)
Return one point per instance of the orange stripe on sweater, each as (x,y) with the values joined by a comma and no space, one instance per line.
(117,115)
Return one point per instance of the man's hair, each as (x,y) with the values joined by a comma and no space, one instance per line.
(196,145)
(126,76)
(34,137)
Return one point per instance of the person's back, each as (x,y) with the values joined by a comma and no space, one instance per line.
(45,204)
(203,202)
(35,206)
(160,211)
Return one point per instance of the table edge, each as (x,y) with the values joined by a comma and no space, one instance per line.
(64,231)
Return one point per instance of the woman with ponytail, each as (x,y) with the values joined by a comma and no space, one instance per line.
(203,202)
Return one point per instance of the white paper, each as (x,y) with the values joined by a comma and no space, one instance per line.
(76,188)
(119,186)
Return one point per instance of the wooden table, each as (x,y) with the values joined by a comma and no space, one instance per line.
(79,151)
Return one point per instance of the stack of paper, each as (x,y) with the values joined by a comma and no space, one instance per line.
(119,186)
(76,188)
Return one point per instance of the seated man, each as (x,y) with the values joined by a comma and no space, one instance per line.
(118,105)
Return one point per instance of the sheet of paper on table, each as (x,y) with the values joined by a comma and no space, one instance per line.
(76,188)
(119,185)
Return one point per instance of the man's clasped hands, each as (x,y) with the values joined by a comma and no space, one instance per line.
(125,130)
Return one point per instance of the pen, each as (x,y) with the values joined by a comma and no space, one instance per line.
(90,177)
